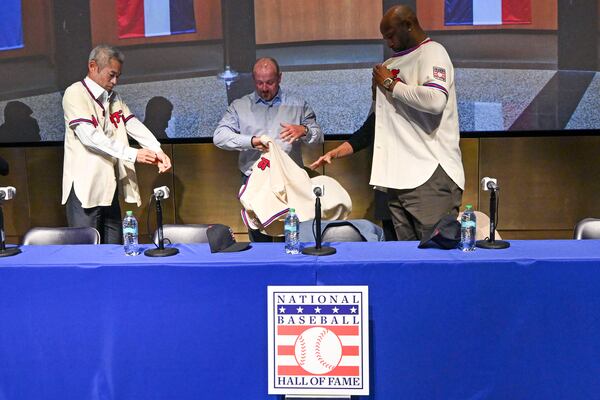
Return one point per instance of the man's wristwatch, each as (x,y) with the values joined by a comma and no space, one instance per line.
(387,83)
(305,130)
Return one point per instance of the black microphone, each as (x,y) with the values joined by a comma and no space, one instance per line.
(318,250)
(489,184)
(7,193)
(160,193)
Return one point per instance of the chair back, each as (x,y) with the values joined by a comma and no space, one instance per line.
(341,232)
(61,235)
(190,233)
(587,228)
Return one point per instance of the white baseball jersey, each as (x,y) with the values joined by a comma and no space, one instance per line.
(277,183)
(414,130)
(94,162)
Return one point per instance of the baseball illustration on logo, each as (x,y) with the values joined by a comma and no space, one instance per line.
(318,340)
(318,350)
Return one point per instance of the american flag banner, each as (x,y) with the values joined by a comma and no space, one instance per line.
(318,340)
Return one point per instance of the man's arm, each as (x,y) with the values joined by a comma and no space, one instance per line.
(92,136)
(227,136)
(137,130)
(359,140)
(427,99)
(95,139)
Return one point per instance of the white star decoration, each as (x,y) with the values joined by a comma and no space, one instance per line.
(299,309)
(353,310)
(317,310)
(282,310)
(335,310)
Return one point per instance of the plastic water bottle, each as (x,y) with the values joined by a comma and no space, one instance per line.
(468,227)
(292,232)
(130,235)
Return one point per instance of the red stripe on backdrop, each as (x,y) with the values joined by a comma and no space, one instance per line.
(298,329)
(337,371)
(516,11)
(289,350)
(130,18)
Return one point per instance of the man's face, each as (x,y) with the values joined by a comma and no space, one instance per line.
(397,38)
(266,81)
(107,76)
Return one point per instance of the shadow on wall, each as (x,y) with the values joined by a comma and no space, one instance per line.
(19,125)
(158,114)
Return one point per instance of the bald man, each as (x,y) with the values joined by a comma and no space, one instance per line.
(270,111)
(414,129)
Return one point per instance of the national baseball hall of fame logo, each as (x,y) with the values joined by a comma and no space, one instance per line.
(318,340)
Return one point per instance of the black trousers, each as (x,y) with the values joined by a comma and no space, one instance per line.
(106,219)
(416,211)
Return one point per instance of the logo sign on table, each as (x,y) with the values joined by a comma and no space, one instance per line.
(318,340)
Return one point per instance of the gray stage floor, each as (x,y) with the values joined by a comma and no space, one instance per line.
(489,100)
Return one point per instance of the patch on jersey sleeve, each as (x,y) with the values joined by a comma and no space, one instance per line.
(439,73)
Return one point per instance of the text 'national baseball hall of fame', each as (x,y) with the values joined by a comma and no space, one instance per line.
(318,340)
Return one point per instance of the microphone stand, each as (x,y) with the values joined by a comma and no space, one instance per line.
(161,251)
(5,252)
(492,243)
(318,250)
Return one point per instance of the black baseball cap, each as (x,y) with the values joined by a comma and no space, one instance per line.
(445,234)
(221,240)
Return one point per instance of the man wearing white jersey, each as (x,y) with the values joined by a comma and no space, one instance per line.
(98,160)
(416,154)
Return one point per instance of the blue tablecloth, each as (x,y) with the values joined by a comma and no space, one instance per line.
(88,322)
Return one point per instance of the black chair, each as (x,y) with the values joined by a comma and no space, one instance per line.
(587,228)
(61,235)
(192,233)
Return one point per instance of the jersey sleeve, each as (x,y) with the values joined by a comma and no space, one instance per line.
(435,69)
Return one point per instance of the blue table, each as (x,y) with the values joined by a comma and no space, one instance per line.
(87,322)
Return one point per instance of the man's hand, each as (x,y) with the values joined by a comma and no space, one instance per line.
(381,73)
(292,133)
(163,161)
(145,156)
(343,150)
(324,159)
(258,145)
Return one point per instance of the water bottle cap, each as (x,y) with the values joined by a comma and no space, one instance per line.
(468,206)
(292,210)
(129,213)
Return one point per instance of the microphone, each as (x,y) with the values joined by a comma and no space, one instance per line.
(161,193)
(7,193)
(318,249)
(489,184)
